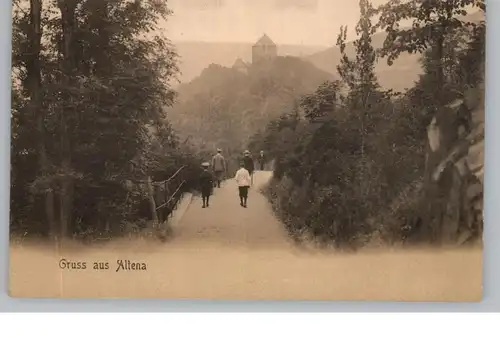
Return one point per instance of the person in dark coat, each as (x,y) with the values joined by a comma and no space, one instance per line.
(248,163)
(218,167)
(206,184)
(262,160)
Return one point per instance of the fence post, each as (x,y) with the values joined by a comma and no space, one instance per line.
(152,202)
(165,199)
(174,197)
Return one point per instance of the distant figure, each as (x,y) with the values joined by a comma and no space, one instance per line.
(218,166)
(249,165)
(206,184)
(243,180)
(262,160)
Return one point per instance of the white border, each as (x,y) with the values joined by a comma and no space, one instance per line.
(251,325)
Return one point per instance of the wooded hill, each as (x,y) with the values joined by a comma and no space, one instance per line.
(195,56)
(223,107)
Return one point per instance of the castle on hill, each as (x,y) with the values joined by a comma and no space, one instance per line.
(263,50)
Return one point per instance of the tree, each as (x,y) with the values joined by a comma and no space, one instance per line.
(91,77)
(33,81)
(29,152)
(322,102)
(338,158)
(471,59)
(432,22)
(359,74)
(359,77)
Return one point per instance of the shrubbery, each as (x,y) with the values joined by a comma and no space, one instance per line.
(88,114)
(350,160)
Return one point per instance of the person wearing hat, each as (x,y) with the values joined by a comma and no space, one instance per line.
(243,180)
(248,163)
(218,166)
(206,184)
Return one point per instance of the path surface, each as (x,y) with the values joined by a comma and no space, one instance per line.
(226,223)
(228,252)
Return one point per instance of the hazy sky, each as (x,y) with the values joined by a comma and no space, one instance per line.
(310,22)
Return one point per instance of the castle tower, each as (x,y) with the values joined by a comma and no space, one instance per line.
(264,49)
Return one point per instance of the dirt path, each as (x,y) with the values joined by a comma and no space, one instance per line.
(226,223)
(228,252)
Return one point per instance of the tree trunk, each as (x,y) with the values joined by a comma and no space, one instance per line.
(67,9)
(103,64)
(439,68)
(429,210)
(34,88)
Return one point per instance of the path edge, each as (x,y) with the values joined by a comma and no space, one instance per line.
(178,214)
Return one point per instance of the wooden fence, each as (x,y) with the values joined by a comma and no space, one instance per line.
(164,196)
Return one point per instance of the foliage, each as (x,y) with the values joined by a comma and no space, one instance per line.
(323,101)
(92,80)
(431,22)
(434,23)
(93,108)
(345,175)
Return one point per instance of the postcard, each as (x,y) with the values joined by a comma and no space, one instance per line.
(247,149)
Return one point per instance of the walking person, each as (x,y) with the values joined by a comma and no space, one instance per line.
(243,180)
(206,184)
(218,167)
(262,160)
(249,165)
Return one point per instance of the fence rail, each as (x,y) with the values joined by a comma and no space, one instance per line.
(168,193)
(178,172)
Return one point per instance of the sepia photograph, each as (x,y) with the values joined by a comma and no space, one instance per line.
(326,150)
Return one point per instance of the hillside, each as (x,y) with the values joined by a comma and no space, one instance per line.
(223,107)
(196,56)
(401,75)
